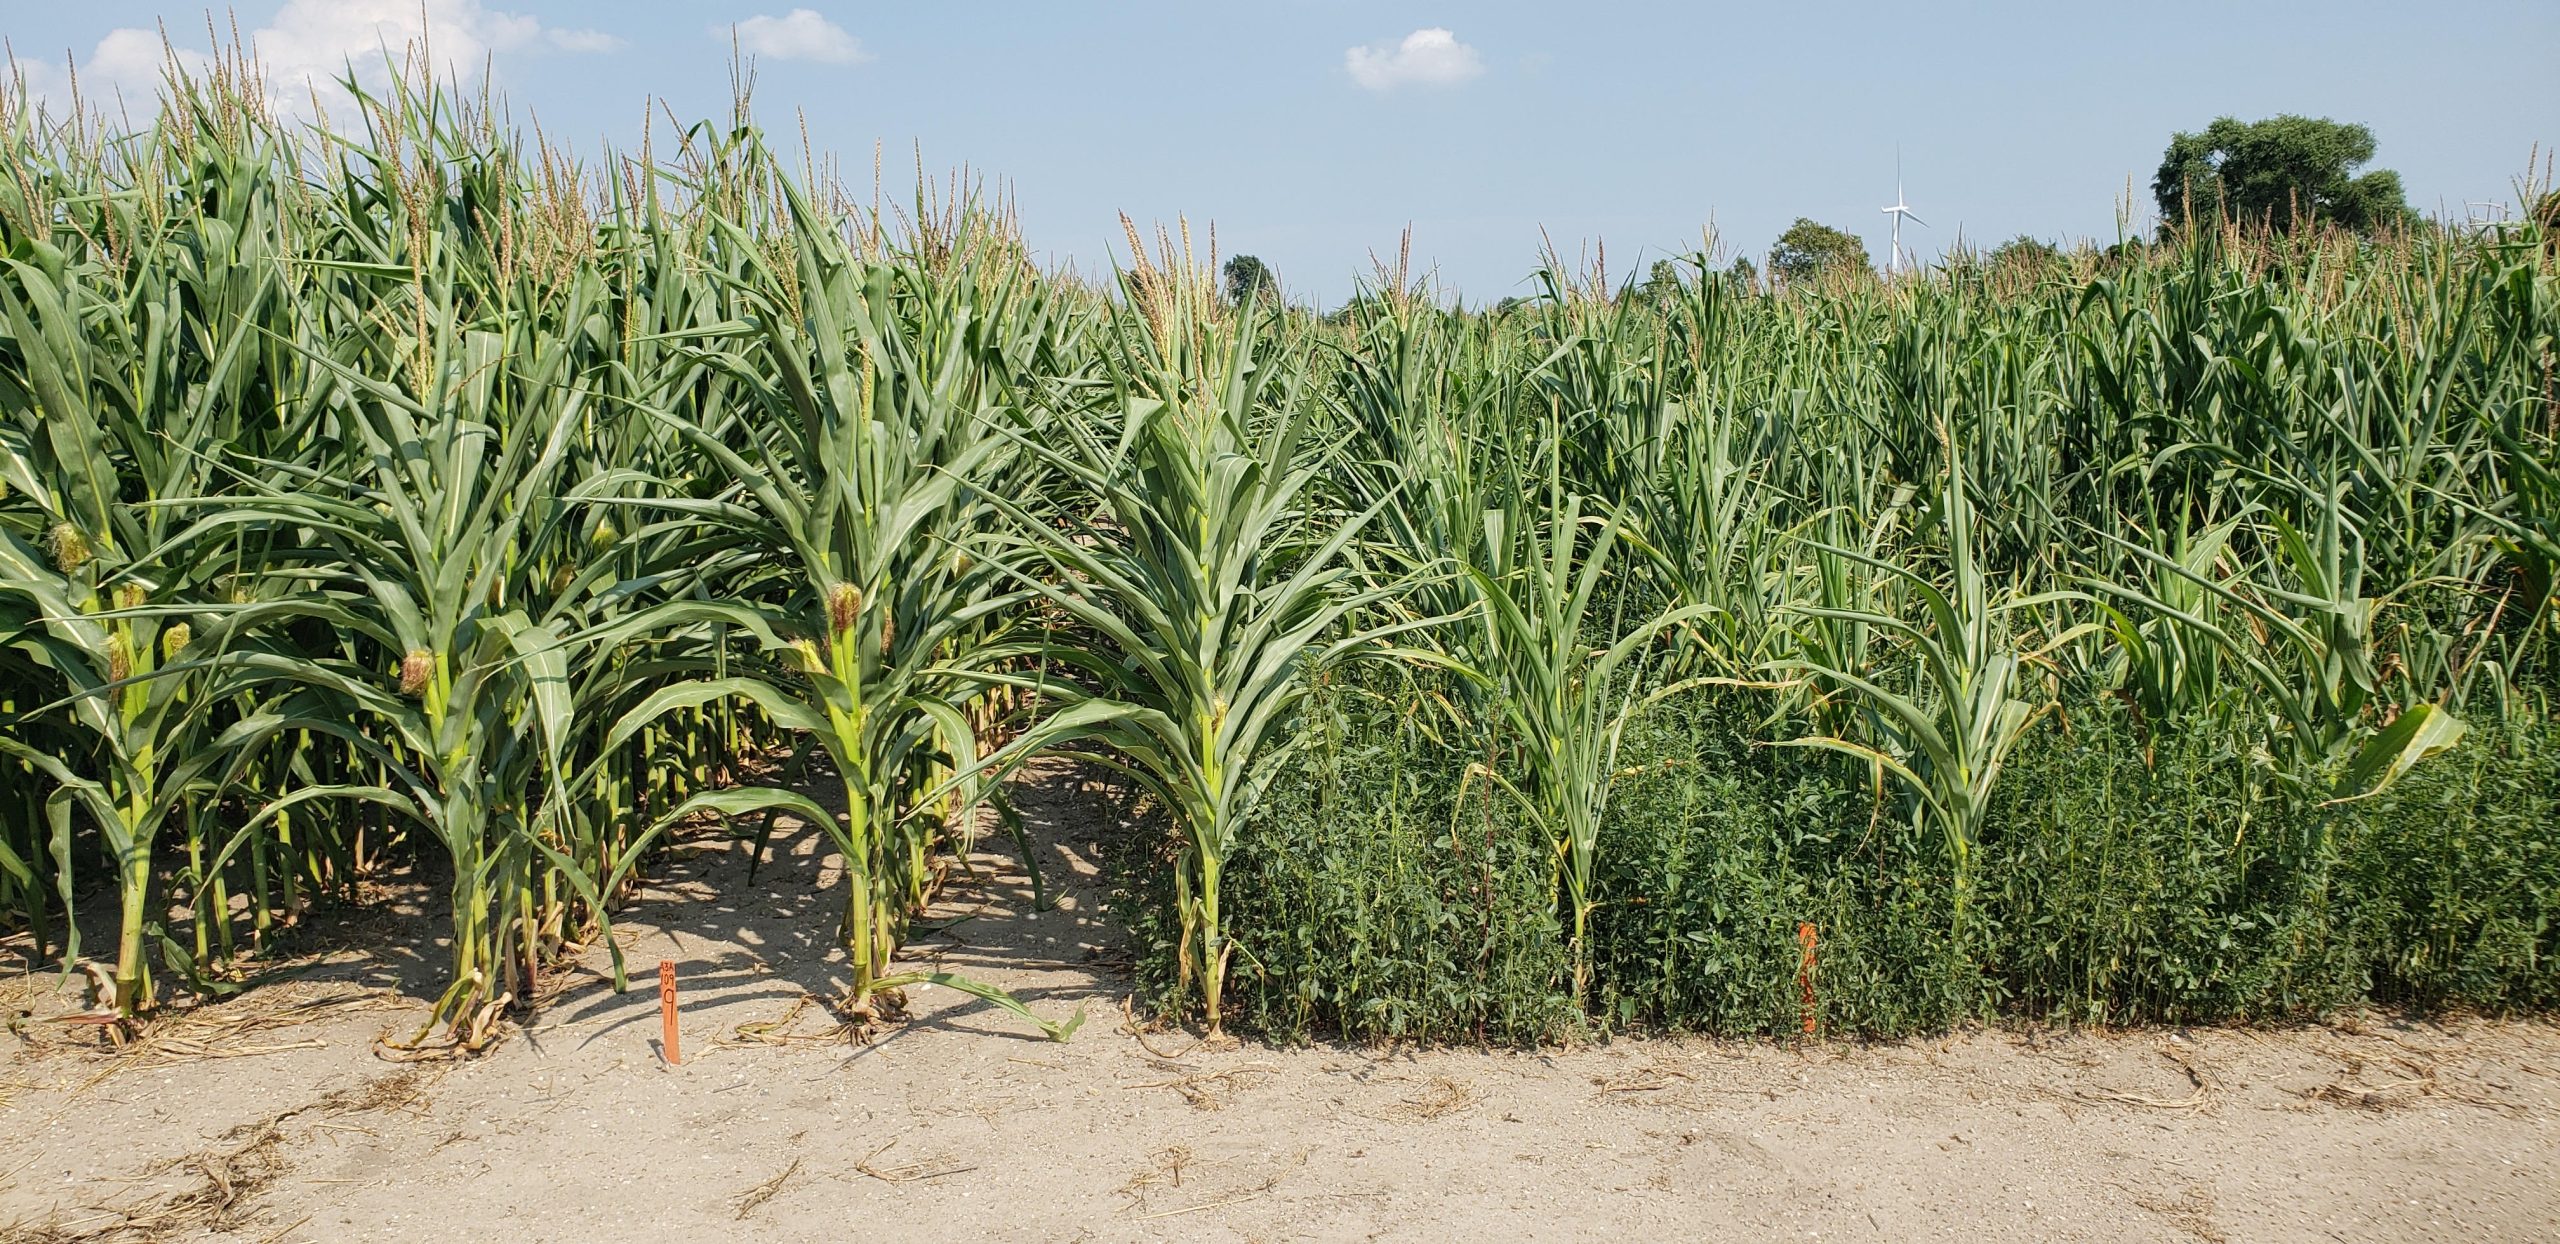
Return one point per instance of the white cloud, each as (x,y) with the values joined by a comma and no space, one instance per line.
(136,59)
(801,34)
(309,44)
(123,73)
(1431,56)
(508,32)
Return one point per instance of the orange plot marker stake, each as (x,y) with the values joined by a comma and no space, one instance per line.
(667,1010)
(1804,973)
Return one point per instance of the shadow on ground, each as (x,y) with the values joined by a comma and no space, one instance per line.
(749,936)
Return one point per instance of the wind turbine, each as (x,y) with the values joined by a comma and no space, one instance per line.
(1899,211)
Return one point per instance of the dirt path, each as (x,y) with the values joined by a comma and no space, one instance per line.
(962,1125)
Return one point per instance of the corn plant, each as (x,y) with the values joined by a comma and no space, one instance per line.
(1565,676)
(2314,664)
(1946,736)
(417,493)
(447,544)
(121,374)
(866,400)
(1207,587)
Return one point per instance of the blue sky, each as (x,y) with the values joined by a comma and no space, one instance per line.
(1312,132)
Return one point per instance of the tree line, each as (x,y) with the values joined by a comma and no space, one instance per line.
(2282,173)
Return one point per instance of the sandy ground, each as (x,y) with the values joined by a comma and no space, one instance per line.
(271,1118)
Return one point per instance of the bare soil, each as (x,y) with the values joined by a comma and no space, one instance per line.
(273,1117)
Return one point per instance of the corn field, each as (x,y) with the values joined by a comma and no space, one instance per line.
(2160,633)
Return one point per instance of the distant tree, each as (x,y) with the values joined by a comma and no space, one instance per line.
(1662,282)
(1509,305)
(1248,277)
(1807,249)
(2277,171)
(1353,307)
(2023,252)
(1745,277)
(2128,253)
